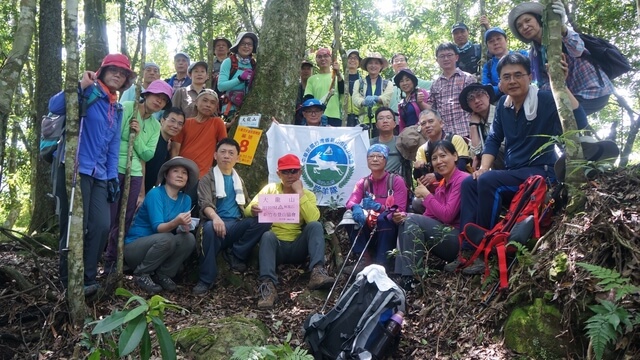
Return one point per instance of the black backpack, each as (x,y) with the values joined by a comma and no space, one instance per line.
(605,56)
(356,320)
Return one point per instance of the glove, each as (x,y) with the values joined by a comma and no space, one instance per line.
(558,8)
(369,100)
(369,204)
(246,75)
(358,214)
(113,190)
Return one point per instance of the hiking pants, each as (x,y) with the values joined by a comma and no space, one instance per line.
(420,234)
(162,253)
(591,106)
(274,251)
(95,223)
(383,241)
(111,254)
(482,199)
(242,236)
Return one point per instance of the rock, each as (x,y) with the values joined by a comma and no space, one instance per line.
(215,341)
(534,331)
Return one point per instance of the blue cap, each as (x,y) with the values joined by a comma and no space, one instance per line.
(312,103)
(494,30)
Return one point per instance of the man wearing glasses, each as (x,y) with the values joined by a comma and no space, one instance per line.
(312,112)
(319,86)
(445,90)
(525,119)
(170,126)
(290,243)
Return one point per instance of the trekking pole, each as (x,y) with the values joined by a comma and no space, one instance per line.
(344,263)
(74,180)
(366,246)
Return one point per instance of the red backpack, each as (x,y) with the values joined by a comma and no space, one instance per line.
(529,214)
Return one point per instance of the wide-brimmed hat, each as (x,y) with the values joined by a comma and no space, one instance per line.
(494,30)
(160,87)
(347,219)
(119,61)
(220,38)
(408,73)
(371,56)
(409,140)
(192,170)
(534,8)
(597,150)
(462,98)
(242,35)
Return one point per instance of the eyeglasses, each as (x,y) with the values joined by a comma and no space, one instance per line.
(515,76)
(174,122)
(289,171)
(399,60)
(118,71)
(446,56)
(386,118)
(246,43)
(323,56)
(375,157)
(312,112)
(476,94)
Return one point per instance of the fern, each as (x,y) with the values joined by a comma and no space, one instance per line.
(611,280)
(270,352)
(605,327)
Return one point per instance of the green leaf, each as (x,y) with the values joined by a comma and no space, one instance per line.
(110,322)
(145,346)
(131,336)
(123,292)
(135,312)
(167,347)
(137,298)
(94,355)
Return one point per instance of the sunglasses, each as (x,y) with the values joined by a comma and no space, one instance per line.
(290,171)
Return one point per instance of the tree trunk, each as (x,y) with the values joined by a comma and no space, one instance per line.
(10,70)
(48,82)
(14,205)
(552,33)
(280,51)
(96,41)
(123,27)
(75,291)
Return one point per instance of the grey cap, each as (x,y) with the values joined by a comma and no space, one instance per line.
(151,64)
(184,55)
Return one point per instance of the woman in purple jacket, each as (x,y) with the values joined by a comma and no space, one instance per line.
(436,231)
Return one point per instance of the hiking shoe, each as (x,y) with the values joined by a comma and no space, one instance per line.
(146,284)
(452,266)
(165,282)
(234,262)
(200,288)
(109,267)
(268,295)
(353,268)
(474,269)
(90,290)
(320,279)
(408,283)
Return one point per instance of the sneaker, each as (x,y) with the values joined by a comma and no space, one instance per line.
(146,284)
(320,279)
(166,282)
(90,290)
(474,269)
(234,262)
(200,288)
(268,295)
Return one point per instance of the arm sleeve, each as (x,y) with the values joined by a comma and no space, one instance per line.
(486,72)
(356,97)
(145,146)
(573,43)
(400,192)
(221,129)
(341,87)
(356,195)
(206,193)
(421,154)
(446,210)
(386,94)
(496,133)
(308,209)
(114,151)
(433,91)
(177,98)
(254,201)
(224,83)
(153,202)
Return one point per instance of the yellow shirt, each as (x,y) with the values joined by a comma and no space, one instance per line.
(308,212)
(458,142)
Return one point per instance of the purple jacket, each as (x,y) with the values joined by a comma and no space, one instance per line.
(444,204)
(380,191)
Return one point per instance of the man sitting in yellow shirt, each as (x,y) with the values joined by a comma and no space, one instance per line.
(290,243)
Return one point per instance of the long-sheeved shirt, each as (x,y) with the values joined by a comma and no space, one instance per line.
(444,204)
(523,137)
(100,139)
(443,97)
(308,212)
(380,191)
(144,144)
(360,92)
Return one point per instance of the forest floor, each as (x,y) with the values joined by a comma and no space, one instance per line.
(445,320)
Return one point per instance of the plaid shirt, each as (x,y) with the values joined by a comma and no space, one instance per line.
(443,98)
(583,79)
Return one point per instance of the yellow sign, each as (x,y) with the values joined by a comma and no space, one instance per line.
(248,139)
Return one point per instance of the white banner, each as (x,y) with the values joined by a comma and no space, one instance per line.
(333,158)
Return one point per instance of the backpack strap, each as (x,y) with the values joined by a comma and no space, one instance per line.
(234,65)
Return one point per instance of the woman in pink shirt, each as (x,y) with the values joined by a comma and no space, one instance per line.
(437,229)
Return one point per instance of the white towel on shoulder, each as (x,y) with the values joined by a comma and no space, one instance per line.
(530,105)
(218,178)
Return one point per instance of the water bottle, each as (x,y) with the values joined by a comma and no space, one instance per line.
(391,331)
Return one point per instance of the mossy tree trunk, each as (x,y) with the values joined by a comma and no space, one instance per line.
(75,290)
(280,51)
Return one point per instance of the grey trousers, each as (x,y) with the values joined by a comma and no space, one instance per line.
(274,251)
(419,234)
(162,253)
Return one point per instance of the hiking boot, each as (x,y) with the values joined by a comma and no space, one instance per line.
(200,288)
(90,290)
(234,262)
(452,266)
(320,279)
(268,295)
(146,284)
(353,268)
(474,269)
(165,282)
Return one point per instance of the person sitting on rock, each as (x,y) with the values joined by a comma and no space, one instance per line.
(289,243)
(222,196)
(160,239)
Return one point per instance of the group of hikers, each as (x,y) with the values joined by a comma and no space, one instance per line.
(482,142)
